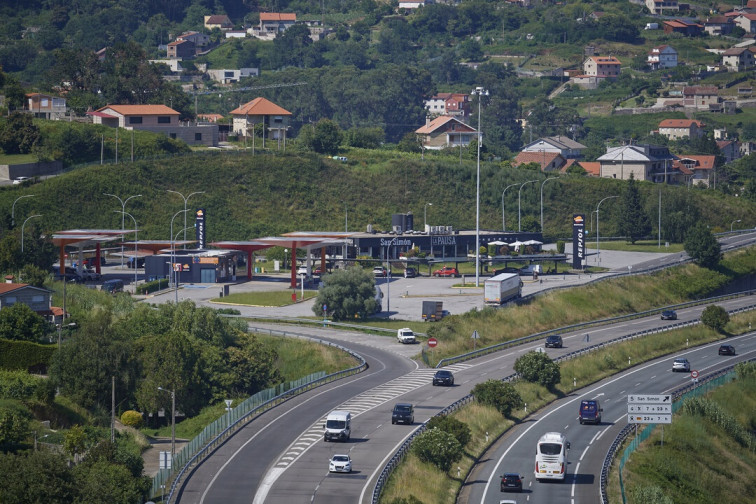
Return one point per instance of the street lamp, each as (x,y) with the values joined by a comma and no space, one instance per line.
(286,251)
(503,221)
(123,210)
(185,200)
(173,252)
(425,215)
(731,224)
(542,183)
(480,92)
(519,199)
(22,236)
(173,421)
(598,253)
(13,208)
(136,241)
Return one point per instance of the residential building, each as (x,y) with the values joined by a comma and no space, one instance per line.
(739,59)
(747,21)
(226,76)
(644,162)
(236,34)
(445,131)
(592,168)
(220,21)
(449,104)
(45,106)
(274,119)
(700,97)
(36,298)
(699,170)
(662,56)
(212,118)
(158,119)
(719,25)
(565,146)
(196,38)
(276,22)
(729,149)
(675,129)
(547,161)
(682,27)
(607,67)
(662,6)
(181,49)
(413,4)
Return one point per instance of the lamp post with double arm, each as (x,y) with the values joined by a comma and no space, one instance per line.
(542,184)
(22,232)
(519,207)
(503,220)
(13,208)
(598,253)
(480,92)
(186,198)
(136,242)
(123,213)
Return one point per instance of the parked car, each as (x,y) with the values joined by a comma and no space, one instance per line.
(726,350)
(20,180)
(302,270)
(340,463)
(403,413)
(553,342)
(505,270)
(511,482)
(669,315)
(112,286)
(68,277)
(446,272)
(680,364)
(90,275)
(410,273)
(380,271)
(443,377)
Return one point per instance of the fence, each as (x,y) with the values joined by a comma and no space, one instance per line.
(221,429)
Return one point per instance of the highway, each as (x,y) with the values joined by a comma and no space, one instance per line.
(281,457)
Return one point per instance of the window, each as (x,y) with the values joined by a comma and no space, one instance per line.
(38,299)
(164,119)
(198,137)
(10,300)
(277,119)
(135,120)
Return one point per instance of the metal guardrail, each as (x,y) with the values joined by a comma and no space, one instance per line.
(227,425)
(400,453)
(583,325)
(314,322)
(704,384)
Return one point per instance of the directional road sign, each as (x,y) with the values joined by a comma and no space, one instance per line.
(649,408)
(649,399)
(646,419)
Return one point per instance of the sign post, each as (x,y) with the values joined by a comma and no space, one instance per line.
(475,336)
(432,342)
(649,409)
(694,375)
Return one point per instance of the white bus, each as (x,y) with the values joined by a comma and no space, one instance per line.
(551,456)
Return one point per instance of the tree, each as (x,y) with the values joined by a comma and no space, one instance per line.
(456,428)
(19,322)
(347,294)
(438,448)
(324,137)
(634,223)
(537,367)
(74,441)
(14,424)
(715,317)
(36,476)
(702,246)
(499,395)
(18,134)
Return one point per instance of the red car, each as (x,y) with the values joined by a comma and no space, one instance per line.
(446,272)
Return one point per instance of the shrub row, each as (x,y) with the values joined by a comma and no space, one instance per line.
(24,355)
(152,286)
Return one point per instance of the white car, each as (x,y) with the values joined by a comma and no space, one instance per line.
(20,180)
(680,364)
(302,270)
(340,463)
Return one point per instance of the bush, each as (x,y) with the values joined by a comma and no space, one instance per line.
(715,317)
(438,448)
(537,367)
(499,395)
(152,286)
(132,418)
(456,428)
(560,246)
(14,423)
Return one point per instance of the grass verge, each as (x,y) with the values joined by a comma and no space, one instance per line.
(639,246)
(411,477)
(273,298)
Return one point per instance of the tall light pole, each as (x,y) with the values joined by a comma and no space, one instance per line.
(346,218)
(22,236)
(480,92)
(123,212)
(185,200)
(519,206)
(731,224)
(542,184)
(136,242)
(503,220)
(13,208)
(425,215)
(173,252)
(598,253)
(173,421)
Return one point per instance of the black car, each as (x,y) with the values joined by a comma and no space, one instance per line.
(726,350)
(443,377)
(410,273)
(68,278)
(669,315)
(554,341)
(511,482)
(403,413)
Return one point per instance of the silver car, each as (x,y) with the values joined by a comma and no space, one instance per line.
(680,364)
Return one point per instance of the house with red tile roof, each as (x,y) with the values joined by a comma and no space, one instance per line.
(179,49)
(747,21)
(739,59)
(567,147)
(45,106)
(444,132)
(682,27)
(674,129)
(220,21)
(547,161)
(275,119)
(730,150)
(197,38)
(36,298)
(605,67)
(449,104)
(592,168)
(699,170)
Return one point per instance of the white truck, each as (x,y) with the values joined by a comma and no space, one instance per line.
(405,335)
(652,26)
(501,288)
(551,456)
(338,426)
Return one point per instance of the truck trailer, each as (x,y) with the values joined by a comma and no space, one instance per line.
(433,310)
(501,288)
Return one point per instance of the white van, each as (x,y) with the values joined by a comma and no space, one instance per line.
(405,335)
(551,456)
(338,426)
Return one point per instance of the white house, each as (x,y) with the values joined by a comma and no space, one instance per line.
(663,56)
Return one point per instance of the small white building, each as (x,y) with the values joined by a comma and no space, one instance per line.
(663,56)
(229,76)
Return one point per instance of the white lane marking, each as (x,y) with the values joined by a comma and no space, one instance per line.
(583,454)
(604,431)
(574,478)
(594,438)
